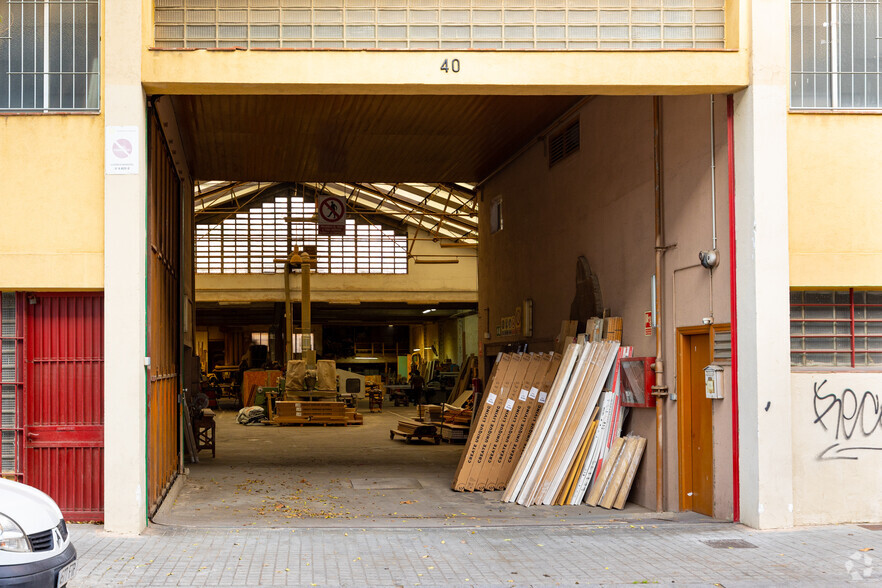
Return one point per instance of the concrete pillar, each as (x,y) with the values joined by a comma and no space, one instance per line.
(125,478)
(766,483)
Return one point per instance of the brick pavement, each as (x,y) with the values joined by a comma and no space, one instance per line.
(619,553)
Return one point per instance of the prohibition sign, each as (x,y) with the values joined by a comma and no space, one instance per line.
(122,148)
(331,209)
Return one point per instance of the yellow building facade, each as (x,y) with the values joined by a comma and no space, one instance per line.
(805,178)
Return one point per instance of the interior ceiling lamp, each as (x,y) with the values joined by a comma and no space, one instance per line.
(435,260)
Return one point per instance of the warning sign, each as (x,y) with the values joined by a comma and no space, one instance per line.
(331,215)
(647,323)
(120,150)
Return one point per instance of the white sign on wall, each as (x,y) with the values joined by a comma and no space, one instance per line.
(120,150)
(331,215)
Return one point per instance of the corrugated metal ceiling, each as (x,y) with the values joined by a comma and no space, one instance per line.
(392,139)
(445,211)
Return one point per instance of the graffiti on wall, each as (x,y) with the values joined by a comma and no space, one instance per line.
(853,418)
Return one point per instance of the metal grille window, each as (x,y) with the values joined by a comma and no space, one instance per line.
(841,328)
(441,24)
(250,242)
(563,143)
(49,55)
(10,383)
(834,54)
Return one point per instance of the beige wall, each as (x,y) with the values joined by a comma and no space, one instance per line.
(835,178)
(52,198)
(423,284)
(837,461)
(600,203)
(417,72)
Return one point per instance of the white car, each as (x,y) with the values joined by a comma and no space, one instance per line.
(35,548)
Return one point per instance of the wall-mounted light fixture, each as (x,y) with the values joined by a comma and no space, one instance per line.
(527,321)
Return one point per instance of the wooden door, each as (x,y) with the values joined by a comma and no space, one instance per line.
(163,315)
(695,424)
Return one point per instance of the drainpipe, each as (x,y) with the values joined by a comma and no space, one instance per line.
(659,390)
(730,150)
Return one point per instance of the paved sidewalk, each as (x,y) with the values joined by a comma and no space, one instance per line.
(617,553)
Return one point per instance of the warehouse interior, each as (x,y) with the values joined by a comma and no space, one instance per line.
(474,226)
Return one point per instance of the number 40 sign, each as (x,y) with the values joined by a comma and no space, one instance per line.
(450,66)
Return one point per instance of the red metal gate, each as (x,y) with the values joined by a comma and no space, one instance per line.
(64,401)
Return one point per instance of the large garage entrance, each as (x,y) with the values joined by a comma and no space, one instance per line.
(467,215)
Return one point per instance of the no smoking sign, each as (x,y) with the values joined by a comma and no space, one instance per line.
(121,150)
(331,215)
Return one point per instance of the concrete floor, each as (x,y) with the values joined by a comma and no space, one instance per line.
(265,476)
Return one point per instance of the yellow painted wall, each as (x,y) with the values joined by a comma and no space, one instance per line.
(52,202)
(835,178)
(483,72)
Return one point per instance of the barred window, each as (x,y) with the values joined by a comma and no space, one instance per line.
(49,55)
(834,54)
(836,328)
(252,242)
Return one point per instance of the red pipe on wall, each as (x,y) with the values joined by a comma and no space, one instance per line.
(730,149)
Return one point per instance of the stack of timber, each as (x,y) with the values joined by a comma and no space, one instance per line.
(599,329)
(613,484)
(429,413)
(297,412)
(516,392)
(558,463)
(605,427)
(353,417)
(453,415)
(410,429)
(454,433)
(455,423)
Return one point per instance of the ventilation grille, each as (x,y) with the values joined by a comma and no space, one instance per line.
(723,347)
(563,143)
(41,541)
(7,314)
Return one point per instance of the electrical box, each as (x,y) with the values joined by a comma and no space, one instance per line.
(638,378)
(713,381)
